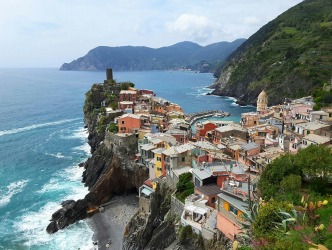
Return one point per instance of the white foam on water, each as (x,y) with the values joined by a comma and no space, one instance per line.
(85,148)
(57,155)
(32,227)
(34,126)
(12,189)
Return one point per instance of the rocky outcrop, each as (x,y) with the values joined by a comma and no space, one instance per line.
(111,170)
(151,230)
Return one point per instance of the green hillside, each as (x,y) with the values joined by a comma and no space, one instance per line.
(288,57)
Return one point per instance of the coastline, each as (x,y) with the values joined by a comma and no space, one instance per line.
(109,226)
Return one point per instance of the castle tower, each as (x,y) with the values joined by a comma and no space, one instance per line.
(109,74)
(262,103)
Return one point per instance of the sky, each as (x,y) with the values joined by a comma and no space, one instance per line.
(48,33)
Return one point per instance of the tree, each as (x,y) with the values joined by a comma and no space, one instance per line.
(316,161)
(275,172)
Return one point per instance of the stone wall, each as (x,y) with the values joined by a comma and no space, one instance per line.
(121,140)
(176,205)
(144,204)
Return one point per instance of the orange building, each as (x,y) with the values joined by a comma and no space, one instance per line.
(129,123)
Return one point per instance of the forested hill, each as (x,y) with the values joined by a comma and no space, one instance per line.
(181,55)
(288,57)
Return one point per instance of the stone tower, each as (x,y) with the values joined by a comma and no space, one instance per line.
(262,103)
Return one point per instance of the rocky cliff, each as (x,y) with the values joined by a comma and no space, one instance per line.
(290,56)
(151,230)
(109,171)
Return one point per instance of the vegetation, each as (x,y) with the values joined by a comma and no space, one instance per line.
(185,186)
(284,220)
(113,128)
(288,57)
(126,85)
(322,98)
(281,178)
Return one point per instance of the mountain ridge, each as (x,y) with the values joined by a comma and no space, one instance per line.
(182,55)
(290,56)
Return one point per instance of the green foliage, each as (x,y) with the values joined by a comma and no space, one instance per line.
(113,128)
(126,85)
(291,183)
(101,125)
(275,172)
(268,215)
(114,105)
(93,99)
(313,162)
(185,186)
(185,234)
(290,56)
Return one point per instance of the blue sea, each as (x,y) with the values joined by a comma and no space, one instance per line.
(42,141)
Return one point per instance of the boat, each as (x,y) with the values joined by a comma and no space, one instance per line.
(218,115)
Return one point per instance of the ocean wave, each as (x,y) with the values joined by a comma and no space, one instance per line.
(81,133)
(57,155)
(32,228)
(12,189)
(35,126)
(85,148)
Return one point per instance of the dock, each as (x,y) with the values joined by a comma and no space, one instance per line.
(191,118)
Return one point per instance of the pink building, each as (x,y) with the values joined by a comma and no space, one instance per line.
(129,123)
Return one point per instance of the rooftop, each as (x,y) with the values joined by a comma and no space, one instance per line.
(209,190)
(239,204)
(249,146)
(317,138)
(130,116)
(313,125)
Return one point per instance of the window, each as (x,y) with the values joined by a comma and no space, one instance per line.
(183,159)
(233,209)
(122,122)
(158,158)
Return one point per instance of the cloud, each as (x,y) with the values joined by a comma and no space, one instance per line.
(251,20)
(194,27)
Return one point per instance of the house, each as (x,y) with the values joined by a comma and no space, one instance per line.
(248,152)
(127,95)
(129,123)
(313,139)
(202,128)
(318,116)
(249,119)
(312,128)
(231,130)
(200,217)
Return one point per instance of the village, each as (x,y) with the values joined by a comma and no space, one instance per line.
(223,159)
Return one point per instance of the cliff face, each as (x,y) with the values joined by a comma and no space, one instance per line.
(151,230)
(288,57)
(110,170)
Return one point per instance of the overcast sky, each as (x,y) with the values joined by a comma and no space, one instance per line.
(47,33)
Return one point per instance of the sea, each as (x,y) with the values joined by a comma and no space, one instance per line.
(43,139)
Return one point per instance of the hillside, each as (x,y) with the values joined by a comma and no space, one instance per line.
(181,55)
(288,57)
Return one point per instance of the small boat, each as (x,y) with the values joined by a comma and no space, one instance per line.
(218,115)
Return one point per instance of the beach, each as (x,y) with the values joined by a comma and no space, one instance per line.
(108,227)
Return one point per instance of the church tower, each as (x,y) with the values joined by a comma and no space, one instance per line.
(262,103)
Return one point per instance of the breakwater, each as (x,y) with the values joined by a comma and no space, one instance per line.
(191,118)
